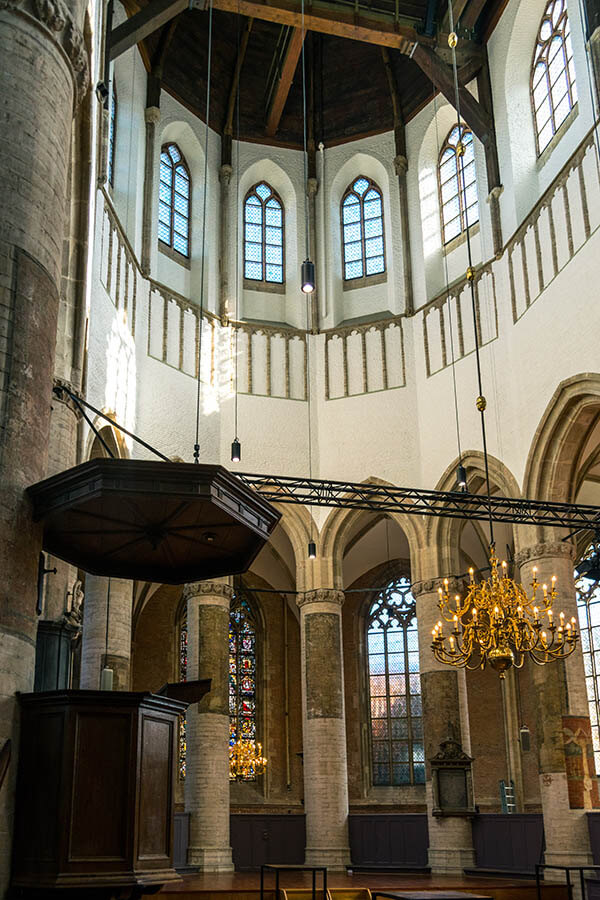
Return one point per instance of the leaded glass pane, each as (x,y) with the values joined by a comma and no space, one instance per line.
(553,88)
(263,191)
(360,185)
(242,669)
(362,230)
(263,235)
(274,273)
(174,200)
(253,271)
(394,687)
(353,270)
(457,184)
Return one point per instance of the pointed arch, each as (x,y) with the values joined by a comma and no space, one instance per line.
(553,87)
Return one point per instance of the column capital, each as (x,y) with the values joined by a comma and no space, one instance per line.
(56,19)
(225,173)
(204,589)
(312,186)
(152,115)
(60,395)
(321,595)
(400,164)
(431,585)
(549,550)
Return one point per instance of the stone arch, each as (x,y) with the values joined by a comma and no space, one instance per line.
(443,534)
(339,524)
(556,453)
(113,438)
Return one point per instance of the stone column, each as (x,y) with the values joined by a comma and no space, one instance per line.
(112,599)
(152,118)
(450,838)
(224,180)
(560,692)
(401,168)
(44,71)
(493,200)
(207,767)
(324,727)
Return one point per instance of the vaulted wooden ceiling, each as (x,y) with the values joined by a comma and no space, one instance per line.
(347,86)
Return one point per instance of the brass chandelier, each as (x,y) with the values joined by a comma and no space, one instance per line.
(245,760)
(499,624)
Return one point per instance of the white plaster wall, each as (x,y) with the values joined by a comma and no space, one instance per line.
(406,433)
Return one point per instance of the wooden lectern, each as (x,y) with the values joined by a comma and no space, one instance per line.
(94,803)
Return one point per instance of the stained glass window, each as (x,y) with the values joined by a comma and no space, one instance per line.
(362,230)
(457,184)
(242,672)
(553,88)
(174,192)
(263,235)
(183,658)
(112,134)
(396,709)
(588,608)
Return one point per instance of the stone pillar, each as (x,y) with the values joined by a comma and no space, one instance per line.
(560,692)
(324,727)
(401,168)
(224,180)
(152,118)
(44,71)
(112,599)
(207,766)
(493,200)
(450,838)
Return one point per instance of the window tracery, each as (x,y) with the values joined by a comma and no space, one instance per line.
(396,709)
(183,661)
(174,200)
(362,230)
(242,672)
(263,235)
(553,88)
(458,189)
(588,609)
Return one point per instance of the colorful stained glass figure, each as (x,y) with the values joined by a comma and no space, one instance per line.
(553,87)
(242,665)
(183,662)
(588,608)
(362,230)
(395,688)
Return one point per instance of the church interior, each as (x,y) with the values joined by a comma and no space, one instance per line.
(299,449)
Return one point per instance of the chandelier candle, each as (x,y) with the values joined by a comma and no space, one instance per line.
(499,624)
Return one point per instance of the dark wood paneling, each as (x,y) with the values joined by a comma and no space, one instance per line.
(512,843)
(267,839)
(396,840)
(154,842)
(593,820)
(102,745)
(181,839)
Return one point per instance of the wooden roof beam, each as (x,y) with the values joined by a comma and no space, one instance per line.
(328,19)
(286,77)
(143,23)
(474,10)
(458,7)
(479,121)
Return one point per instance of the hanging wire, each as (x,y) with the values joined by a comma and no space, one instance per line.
(305,142)
(448,303)
(237,236)
(470,276)
(199,363)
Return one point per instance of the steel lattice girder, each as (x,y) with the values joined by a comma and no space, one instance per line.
(416,502)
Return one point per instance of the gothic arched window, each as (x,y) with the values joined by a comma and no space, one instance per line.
(457,184)
(588,608)
(242,672)
(112,134)
(174,200)
(183,661)
(263,235)
(396,709)
(553,89)
(362,230)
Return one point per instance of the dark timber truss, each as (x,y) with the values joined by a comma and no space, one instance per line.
(415,502)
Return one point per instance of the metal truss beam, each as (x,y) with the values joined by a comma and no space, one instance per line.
(414,502)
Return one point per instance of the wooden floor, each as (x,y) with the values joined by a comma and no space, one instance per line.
(246,886)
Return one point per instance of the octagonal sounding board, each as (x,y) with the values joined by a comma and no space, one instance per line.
(167,522)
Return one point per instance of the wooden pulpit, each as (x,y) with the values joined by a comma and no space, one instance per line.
(95,783)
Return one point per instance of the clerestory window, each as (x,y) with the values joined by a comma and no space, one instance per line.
(263,235)
(553,88)
(362,230)
(457,183)
(174,200)
(112,134)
